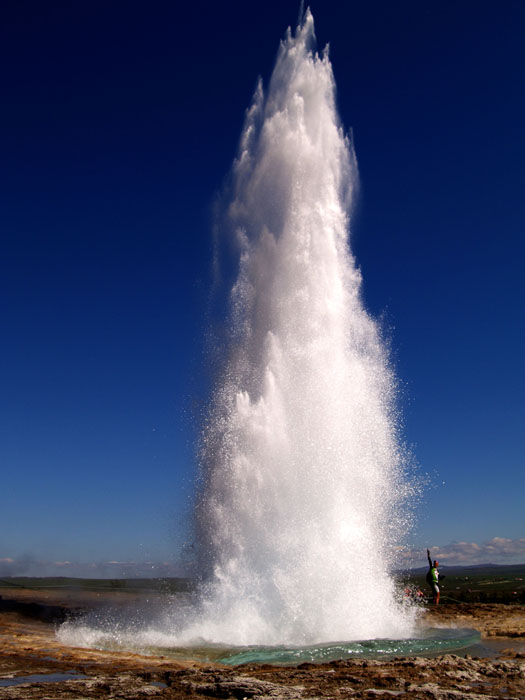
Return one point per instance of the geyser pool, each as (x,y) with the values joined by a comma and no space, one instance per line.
(156,637)
(304,498)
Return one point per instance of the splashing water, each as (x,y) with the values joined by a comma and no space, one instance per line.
(302,466)
(304,497)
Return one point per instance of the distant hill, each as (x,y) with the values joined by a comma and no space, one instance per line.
(474,569)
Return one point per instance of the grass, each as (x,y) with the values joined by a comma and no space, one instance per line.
(476,584)
(123,585)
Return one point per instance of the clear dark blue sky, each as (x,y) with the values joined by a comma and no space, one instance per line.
(118,123)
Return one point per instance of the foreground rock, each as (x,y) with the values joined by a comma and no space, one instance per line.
(34,664)
(444,677)
(492,620)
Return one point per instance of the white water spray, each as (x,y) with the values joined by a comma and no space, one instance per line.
(303,498)
(303,486)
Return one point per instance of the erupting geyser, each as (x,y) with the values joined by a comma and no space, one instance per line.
(303,490)
(303,500)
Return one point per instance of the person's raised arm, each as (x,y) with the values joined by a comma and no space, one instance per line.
(429,559)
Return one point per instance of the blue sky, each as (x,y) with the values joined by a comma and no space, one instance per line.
(119,123)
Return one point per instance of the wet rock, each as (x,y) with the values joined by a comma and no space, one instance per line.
(433,690)
(245,687)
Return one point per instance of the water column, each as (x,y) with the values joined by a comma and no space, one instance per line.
(302,503)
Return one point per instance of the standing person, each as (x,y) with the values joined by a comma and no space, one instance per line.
(433,577)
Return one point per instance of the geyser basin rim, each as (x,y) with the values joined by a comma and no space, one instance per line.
(431,641)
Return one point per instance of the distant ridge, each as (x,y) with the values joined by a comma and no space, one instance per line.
(473,568)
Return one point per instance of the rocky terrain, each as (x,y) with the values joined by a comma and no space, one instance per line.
(34,664)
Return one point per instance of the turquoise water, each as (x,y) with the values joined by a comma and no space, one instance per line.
(432,641)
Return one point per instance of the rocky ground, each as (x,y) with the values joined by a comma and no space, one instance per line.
(30,652)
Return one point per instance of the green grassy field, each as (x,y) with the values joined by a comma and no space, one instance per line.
(475,584)
(131,585)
